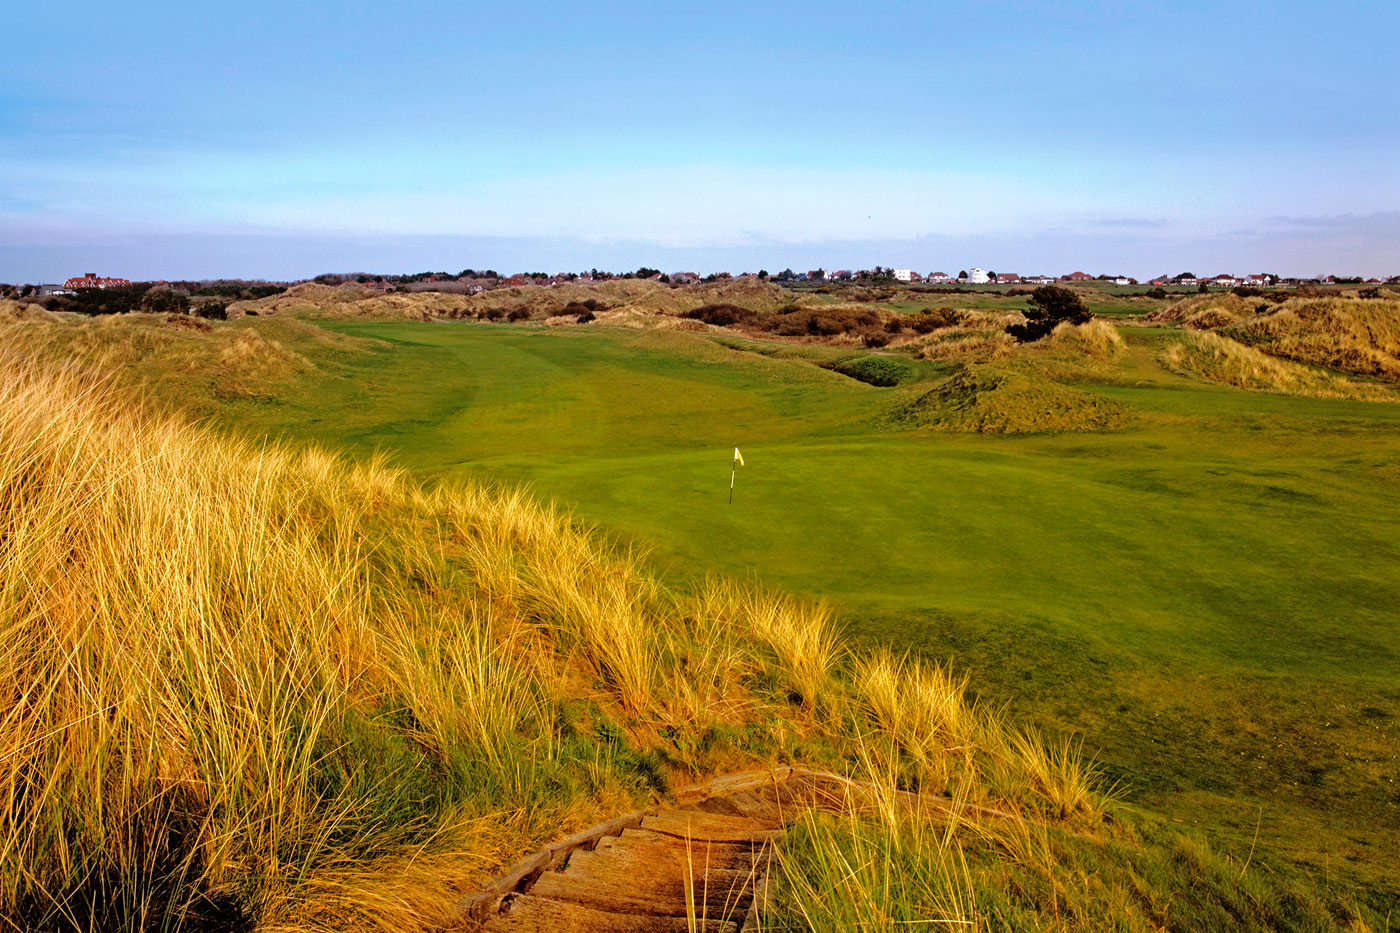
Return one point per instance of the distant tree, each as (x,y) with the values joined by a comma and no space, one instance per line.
(646,272)
(1051,306)
(962,274)
(991,276)
(665,279)
(1202,288)
(1159,293)
(763,274)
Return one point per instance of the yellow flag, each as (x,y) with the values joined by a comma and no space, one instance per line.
(738,457)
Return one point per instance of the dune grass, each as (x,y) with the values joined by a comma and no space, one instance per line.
(1215,358)
(1359,336)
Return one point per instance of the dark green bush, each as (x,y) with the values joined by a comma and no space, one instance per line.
(1051,306)
(720,315)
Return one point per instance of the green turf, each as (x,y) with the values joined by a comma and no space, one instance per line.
(1210,596)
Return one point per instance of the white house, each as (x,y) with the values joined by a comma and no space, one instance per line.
(904,275)
(939,278)
(977,276)
(1039,280)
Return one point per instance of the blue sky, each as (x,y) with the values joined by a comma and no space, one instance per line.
(283,140)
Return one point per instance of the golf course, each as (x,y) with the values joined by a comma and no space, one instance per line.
(1203,594)
(334,590)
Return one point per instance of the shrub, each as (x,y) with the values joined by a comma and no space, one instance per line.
(1051,306)
(1158,293)
(214,310)
(926,322)
(720,315)
(876,339)
(518,314)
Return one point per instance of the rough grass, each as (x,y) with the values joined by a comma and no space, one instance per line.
(882,871)
(1214,309)
(1354,335)
(1214,358)
(187,357)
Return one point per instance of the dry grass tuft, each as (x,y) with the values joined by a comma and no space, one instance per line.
(1095,338)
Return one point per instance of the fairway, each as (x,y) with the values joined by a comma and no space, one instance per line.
(1207,596)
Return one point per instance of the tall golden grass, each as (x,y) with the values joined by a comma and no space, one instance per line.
(1354,335)
(1214,358)
(245,680)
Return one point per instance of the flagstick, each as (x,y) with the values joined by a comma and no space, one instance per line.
(733,468)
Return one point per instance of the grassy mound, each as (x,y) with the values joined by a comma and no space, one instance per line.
(1005,399)
(1213,358)
(195,363)
(884,371)
(1216,309)
(1354,335)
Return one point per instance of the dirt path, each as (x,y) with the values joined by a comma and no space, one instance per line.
(699,864)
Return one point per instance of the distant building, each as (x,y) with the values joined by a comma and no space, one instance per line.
(816,275)
(977,276)
(684,278)
(1008,278)
(1040,280)
(1224,281)
(1077,277)
(843,275)
(1124,280)
(43,291)
(93,280)
(938,278)
(903,275)
(1259,280)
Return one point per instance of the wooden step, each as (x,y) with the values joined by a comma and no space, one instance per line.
(664,869)
(710,827)
(707,898)
(527,913)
